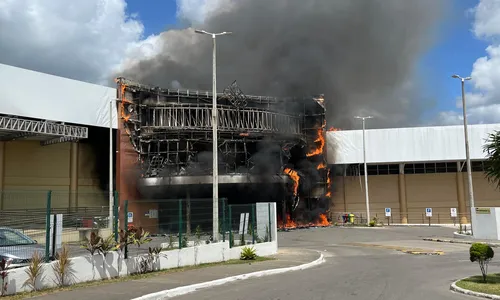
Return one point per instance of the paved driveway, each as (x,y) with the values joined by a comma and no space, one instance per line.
(361,263)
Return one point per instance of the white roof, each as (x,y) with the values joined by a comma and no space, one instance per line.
(397,145)
(37,95)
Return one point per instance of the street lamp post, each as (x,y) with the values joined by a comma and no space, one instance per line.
(467,152)
(367,198)
(215,195)
(111,194)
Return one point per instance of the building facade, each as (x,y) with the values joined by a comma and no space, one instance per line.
(409,170)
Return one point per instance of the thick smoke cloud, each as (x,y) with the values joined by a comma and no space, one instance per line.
(361,54)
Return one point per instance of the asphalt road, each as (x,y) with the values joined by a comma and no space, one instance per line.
(370,271)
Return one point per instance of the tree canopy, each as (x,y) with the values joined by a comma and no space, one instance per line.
(492,149)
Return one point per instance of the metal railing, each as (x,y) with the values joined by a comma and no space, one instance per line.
(51,220)
(396,217)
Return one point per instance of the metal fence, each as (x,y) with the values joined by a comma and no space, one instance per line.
(41,221)
(53,219)
(181,223)
(397,218)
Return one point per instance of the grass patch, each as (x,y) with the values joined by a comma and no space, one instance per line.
(132,277)
(476,284)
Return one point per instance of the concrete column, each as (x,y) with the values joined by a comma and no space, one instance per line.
(462,207)
(73,176)
(2,172)
(403,205)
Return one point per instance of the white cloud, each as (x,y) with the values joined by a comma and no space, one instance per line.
(84,40)
(483,103)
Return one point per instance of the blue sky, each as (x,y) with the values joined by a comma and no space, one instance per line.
(454,51)
(156,15)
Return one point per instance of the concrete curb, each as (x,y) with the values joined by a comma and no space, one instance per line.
(468,242)
(462,236)
(460,290)
(182,290)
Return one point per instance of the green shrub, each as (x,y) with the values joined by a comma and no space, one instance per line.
(248,253)
(372,223)
(483,254)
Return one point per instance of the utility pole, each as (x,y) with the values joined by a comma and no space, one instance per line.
(111,194)
(367,198)
(215,168)
(467,151)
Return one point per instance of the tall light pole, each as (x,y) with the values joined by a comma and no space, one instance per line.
(467,152)
(367,198)
(215,196)
(111,194)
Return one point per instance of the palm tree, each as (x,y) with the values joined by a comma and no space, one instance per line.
(492,149)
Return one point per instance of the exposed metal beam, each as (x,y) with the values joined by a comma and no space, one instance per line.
(59,140)
(42,127)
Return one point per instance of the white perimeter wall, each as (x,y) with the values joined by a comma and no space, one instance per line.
(98,267)
(397,145)
(37,95)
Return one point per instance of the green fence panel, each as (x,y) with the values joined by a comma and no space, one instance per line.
(116,217)
(180,223)
(125,225)
(270,238)
(47,227)
(253,223)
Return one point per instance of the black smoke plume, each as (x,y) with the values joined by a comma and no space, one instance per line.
(362,54)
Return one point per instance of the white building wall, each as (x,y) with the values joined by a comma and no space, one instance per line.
(419,144)
(37,95)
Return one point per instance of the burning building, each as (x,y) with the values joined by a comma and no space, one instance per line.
(270,149)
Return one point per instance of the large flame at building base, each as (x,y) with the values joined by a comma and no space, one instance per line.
(291,224)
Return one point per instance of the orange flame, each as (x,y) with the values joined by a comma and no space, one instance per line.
(323,220)
(333,129)
(329,185)
(320,141)
(291,224)
(295,177)
(321,166)
(124,100)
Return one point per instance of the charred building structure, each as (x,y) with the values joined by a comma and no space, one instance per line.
(270,149)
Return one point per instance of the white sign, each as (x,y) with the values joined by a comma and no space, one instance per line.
(428,212)
(243,223)
(130,217)
(388,212)
(453,212)
(153,214)
(59,229)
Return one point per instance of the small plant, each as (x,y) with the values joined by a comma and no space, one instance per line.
(139,236)
(62,267)
(4,265)
(248,253)
(108,245)
(34,271)
(93,244)
(197,234)
(483,254)
(184,241)
(147,262)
